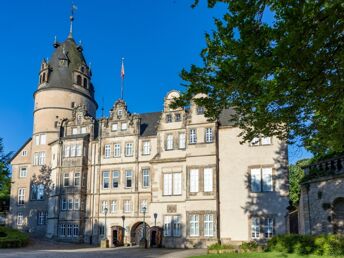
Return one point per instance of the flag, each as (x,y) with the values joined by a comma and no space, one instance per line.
(122,69)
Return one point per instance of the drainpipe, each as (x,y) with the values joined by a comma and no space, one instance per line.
(218,233)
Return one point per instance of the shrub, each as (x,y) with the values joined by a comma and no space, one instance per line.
(251,246)
(12,238)
(218,246)
(332,245)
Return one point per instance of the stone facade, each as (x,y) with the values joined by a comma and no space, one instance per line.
(321,208)
(174,176)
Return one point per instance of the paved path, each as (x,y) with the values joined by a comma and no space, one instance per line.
(47,249)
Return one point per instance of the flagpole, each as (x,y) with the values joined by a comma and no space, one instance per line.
(122,76)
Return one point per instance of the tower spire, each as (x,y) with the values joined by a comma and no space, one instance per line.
(71,18)
(122,76)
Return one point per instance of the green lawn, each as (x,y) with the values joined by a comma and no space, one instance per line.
(260,255)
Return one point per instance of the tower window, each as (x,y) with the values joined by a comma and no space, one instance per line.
(72,104)
(78,80)
(85,82)
(43,77)
(82,69)
(40,79)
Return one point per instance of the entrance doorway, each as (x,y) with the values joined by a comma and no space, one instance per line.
(137,233)
(117,236)
(155,236)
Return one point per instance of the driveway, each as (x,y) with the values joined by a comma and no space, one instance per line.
(47,249)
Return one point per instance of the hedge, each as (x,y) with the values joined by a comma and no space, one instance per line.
(12,238)
(332,245)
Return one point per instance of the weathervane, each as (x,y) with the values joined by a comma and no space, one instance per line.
(71,18)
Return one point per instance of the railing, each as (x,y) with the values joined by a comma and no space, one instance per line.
(332,166)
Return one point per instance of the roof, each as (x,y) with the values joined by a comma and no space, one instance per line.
(225,116)
(20,149)
(149,123)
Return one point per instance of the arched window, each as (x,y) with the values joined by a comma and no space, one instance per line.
(82,69)
(40,79)
(85,82)
(43,77)
(78,80)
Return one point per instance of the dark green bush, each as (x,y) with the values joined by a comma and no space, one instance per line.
(251,246)
(218,246)
(12,238)
(304,244)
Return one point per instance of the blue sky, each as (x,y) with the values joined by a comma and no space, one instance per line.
(157,38)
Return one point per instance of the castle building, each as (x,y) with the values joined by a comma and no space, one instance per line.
(171,177)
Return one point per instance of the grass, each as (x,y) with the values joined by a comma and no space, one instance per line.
(260,255)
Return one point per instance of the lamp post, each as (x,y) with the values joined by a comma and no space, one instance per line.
(123,219)
(105,233)
(155,216)
(144,226)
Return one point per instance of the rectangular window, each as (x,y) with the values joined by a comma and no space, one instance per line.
(69,230)
(20,219)
(113,206)
(101,230)
(41,218)
(114,127)
(23,172)
(128,178)
(182,141)
(117,150)
(176,227)
(145,178)
(66,179)
(73,151)
(208,135)
(78,150)
(35,158)
(66,151)
(169,142)
(128,149)
(39,158)
(43,139)
(124,126)
(75,131)
(268,227)
(70,204)
(21,196)
(64,204)
(146,148)
(255,141)
(194,180)
(177,183)
(256,180)
(37,139)
(106,180)
(267,179)
(83,130)
(208,179)
(194,225)
(167,184)
(76,230)
(255,227)
(127,206)
(104,206)
(77,179)
(167,225)
(208,225)
(24,153)
(178,117)
(107,151)
(62,230)
(200,110)
(168,118)
(76,204)
(40,192)
(193,136)
(266,140)
(115,179)
(143,204)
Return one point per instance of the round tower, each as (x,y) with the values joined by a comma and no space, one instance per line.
(64,83)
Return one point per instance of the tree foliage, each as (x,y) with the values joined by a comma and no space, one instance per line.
(43,178)
(296,175)
(5,173)
(284,78)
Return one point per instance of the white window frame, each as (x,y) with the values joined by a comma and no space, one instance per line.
(107,151)
(266,140)
(104,206)
(83,130)
(182,141)
(128,178)
(127,206)
(106,179)
(66,151)
(114,127)
(20,218)
(167,178)
(77,176)
(115,178)
(209,138)
(169,142)
(78,150)
(40,192)
(194,180)
(129,149)
(177,183)
(268,227)
(146,149)
(41,217)
(256,180)
(176,226)
(194,225)
(64,204)
(117,150)
(143,204)
(267,179)
(113,206)
(70,204)
(66,179)
(124,126)
(69,230)
(255,227)
(145,177)
(73,150)
(193,136)
(76,204)
(208,225)
(167,225)
(23,172)
(76,231)
(24,153)
(21,196)
(43,139)
(75,131)
(208,180)
(62,230)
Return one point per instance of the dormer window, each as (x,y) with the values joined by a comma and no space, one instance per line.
(114,127)
(78,80)
(168,118)
(178,117)
(120,112)
(200,110)
(124,126)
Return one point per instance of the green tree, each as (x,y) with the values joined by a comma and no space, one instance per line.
(295,176)
(284,78)
(5,174)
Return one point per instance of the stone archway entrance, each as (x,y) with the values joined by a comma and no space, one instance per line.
(117,236)
(338,216)
(137,233)
(155,236)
